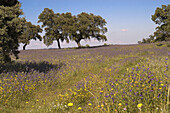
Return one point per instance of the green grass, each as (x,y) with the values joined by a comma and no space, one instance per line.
(91,82)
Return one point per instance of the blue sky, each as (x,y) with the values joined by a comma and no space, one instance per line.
(128,21)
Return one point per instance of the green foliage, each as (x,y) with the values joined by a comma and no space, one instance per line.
(147,40)
(162,18)
(88,26)
(87,45)
(8,2)
(30,32)
(159,44)
(105,44)
(66,26)
(55,26)
(11,26)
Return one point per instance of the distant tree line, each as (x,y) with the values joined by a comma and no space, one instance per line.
(162,33)
(60,27)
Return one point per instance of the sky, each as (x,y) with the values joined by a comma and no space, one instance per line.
(128,21)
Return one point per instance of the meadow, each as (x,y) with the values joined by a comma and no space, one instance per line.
(107,79)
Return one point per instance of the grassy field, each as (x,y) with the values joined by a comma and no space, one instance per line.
(108,79)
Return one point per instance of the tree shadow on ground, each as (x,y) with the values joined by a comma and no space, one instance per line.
(26,67)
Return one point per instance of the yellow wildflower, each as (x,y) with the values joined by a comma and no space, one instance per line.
(70,104)
(120,104)
(89,104)
(139,105)
(79,108)
(101,91)
(1,88)
(162,84)
(102,105)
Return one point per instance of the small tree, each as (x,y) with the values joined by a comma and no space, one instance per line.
(162,18)
(30,32)
(54,25)
(11,26)
(87,26)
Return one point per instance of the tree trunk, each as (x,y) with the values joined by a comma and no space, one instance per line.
(24,46)
(78,43)
(58,44)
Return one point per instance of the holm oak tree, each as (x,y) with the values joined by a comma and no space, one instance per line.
(11,27)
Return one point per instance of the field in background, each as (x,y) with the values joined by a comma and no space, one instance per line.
(117,78)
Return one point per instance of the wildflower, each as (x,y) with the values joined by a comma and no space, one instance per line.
(127,69)
(101,91)
(89,104)
(162,84)
(120,104)
(37,100)
(70,104)
(124,109)
(139,105)
(102,105)
(106,96)
(160,88)
(65,106)
(1,88)
(79,108)
(26,102)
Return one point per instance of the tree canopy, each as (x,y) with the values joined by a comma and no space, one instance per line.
(66,26)
(53,24)
(8,2)
(162,19)
(87,26)
(11,27)
(30,31)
